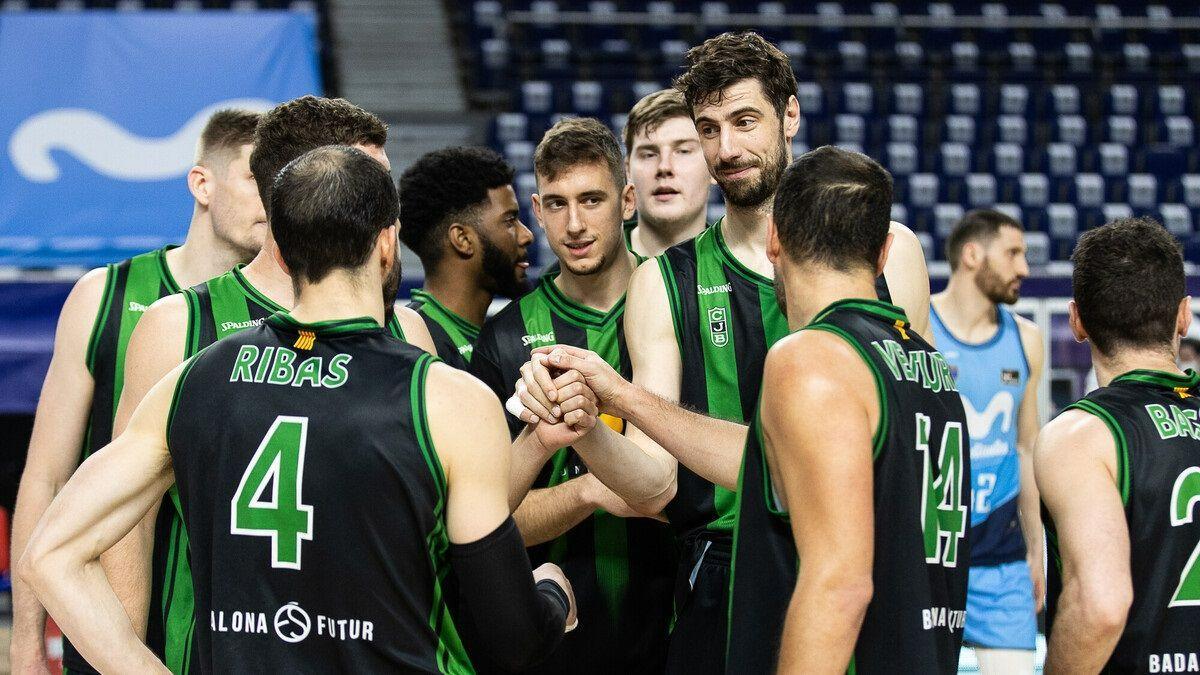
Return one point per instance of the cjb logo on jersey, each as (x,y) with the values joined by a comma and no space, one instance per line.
(718,326)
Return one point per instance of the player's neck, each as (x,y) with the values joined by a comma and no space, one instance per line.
(266,276)
(812,288)
(650,240)
(745,232)
(460,292)
(1125,360)
(339,296)
(966,311)
(601,290)
(202,255)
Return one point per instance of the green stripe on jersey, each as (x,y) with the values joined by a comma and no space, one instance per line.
(1118,437)
(148,276)
(462,333)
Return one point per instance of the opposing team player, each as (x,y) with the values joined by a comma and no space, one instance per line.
(1119,471)
(84,383)
(460,215)
(854,487)
(699,322)
(666,168)
(182,325)
(622,565)
(386,469)
(997,361)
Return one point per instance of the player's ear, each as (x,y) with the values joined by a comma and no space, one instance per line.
(1183,320)
(388,244)
(199,181)
(462,239)
(278,255)
(537,208)
(791,121)
(773,245)
(883,253)
(1077,328)
(628,202)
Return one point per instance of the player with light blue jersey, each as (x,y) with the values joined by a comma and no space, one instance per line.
(996,357)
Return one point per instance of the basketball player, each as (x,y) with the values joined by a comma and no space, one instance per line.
(622,565)
(1119,471)
(461,217)
(379,487)
(75,412)
(856,466)
(666,167)
(150,570)
(997,361)
(698,324)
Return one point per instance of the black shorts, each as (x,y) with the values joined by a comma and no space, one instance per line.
(697,645)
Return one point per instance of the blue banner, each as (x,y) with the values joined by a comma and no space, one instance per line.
(102,111)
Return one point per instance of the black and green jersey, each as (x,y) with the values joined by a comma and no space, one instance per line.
(922,494)
(453,336)
(1153,419)
(621,569)
(130,287)
(316,516)
(217,308)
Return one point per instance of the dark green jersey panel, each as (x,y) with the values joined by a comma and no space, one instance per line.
(621,569)
(453,336)
(223,306)
(922,494)
(130,287)
(1153,418)
(316,516)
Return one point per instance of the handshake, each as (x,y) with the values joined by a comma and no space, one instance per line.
(562,393)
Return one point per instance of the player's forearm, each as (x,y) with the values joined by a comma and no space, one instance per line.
(1029,508)
(645,482)
(527,459)
(84,606)
(1084,633)
(710,447)
(822,624)
(29,618)
(127,567)
(548,513)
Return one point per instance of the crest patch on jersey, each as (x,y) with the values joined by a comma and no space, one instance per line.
(1008,376)
(718,326)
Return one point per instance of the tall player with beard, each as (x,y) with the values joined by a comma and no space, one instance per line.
(700,320)
(460,215)
(998,358)
(670,180)
(620,565)
(149,569)
(85,380)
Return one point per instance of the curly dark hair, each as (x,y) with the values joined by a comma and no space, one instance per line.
(443,187)
(1127,282)
(575,141)
(293,128)
(728,58)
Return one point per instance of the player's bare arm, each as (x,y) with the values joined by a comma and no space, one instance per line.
(58,430)
(416,333)
(549,513)
(1075,462)
(497,588)
(102,502)
(1028,424)
(824,475)
(908,278)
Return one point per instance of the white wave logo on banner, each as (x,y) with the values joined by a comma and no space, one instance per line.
(108,148)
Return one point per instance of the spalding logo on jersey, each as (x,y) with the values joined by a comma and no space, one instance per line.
(718,326)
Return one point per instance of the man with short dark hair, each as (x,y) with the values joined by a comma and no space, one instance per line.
(997,357)
(377,486)
(149,569)
(1119,470)
(84,383)
(621,564)
(460,215)
(854,486)
(665,165)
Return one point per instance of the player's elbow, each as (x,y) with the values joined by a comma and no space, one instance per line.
(1105,610)
(844,587)
(655,505)
(38,564)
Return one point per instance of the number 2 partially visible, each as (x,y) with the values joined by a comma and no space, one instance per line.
(278,463)
(1184,496)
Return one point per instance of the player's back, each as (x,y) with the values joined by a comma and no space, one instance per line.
(914,620)
(314,502)
(1153,418)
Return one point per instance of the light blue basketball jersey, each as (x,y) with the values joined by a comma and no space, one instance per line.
(991,379)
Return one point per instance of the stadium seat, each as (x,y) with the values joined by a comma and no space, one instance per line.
(1191,190)
(1177,218)
(1065,99)
(922,190)
(1116,212)
(850,129)
(1122,129)
(1072,129)
(853,56)
(1079,57)
(955,159)
(1137,57)
(1037,248)
(1180,132)
(586,97)
(899,213)
(1023,56)
(1089,190)
(511,126)
(1060,160)
(1035,189)
(902,158)
(1063,220)
(965,56)
(910,55)
(1122,99)
(1014,99)
(981,190)
(1171,100)
(902,129)
(857,98)
(964,99)
(960,129)
(811,98)
(537,97)
(945,217)
(1008,159)
(907,99)
(519,154)
(1012,129)
(1143,191)
(1114,159)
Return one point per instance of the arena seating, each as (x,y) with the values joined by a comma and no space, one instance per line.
(1064,114)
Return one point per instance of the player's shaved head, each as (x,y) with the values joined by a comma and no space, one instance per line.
(328,207)
(833,207)
(1127,282)
(224,135)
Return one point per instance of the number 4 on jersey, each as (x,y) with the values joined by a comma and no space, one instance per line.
(276,470)
(943,514)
